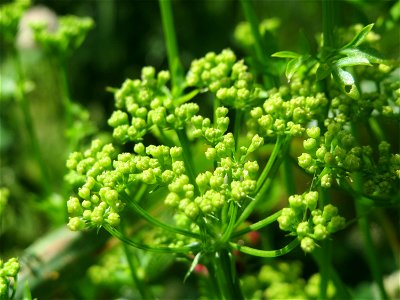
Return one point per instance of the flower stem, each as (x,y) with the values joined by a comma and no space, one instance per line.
(258,225)
(223,271)
(29,125)
(172,48)
(187,157)
(328,15)
(145,215)
(266,253)
(134,265)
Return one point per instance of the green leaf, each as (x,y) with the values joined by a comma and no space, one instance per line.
(352,61)
(359,38)
(346,82)
(323,71)
(292,66)
(373,56)
(194,264)
(286,54)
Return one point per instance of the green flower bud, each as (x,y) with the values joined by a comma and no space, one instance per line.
(118,118)
(11,267)
(84,192)
(74,206)
(320,232)
(221,112)
(313,132)
(310,144)
(113,219)
(192,210)
(321,151)
(307,244)
(211,153)
(326,181)
(311,199)
(302,229)
(251,167)
(329,212)
(76,224)
(172,200)
(167,176)
(256,142)
(305,160)
(336,223)
(296,201)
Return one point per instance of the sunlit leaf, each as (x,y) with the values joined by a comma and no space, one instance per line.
(286,54)
(346,82)
(352,61)
(373,56)
(359,38)
(292,66)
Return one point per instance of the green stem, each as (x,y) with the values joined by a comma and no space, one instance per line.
(134,265)
(264,181)
(232,218)
(29,126)
(370,251)
(266,253)
(342,291)
(114,232)
(172,48)
(328,16)
(145,215)
(376,129)
(260,48)
(271,161)
(258,225)
(67,104)
(224,273)
(362,208)
(238,124)
(187,157)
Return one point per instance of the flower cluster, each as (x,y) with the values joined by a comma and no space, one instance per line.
(105,178)
(8,276)
(309,224)
(226,77)
(10,15)
(278,116)
(146,102)
(70,34)
(335,156)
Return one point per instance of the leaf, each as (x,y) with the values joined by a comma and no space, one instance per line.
(292,66)
(359,38)
(193,265)
(346,82)
(373,56)
(323,71)
(352,61)
(286,54)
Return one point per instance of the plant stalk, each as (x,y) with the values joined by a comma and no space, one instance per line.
(172,47)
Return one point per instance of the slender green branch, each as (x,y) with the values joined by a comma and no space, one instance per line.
(271,161)
(342,291)
(328,17)
(172,48)
(266,253)
(254,24)
(259,45)
(232,218)
(114,232)
(134,265)
(145,215)
(187,157)
(258,225)
(29,125)
(265,180)
(238,124)
(376,129)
